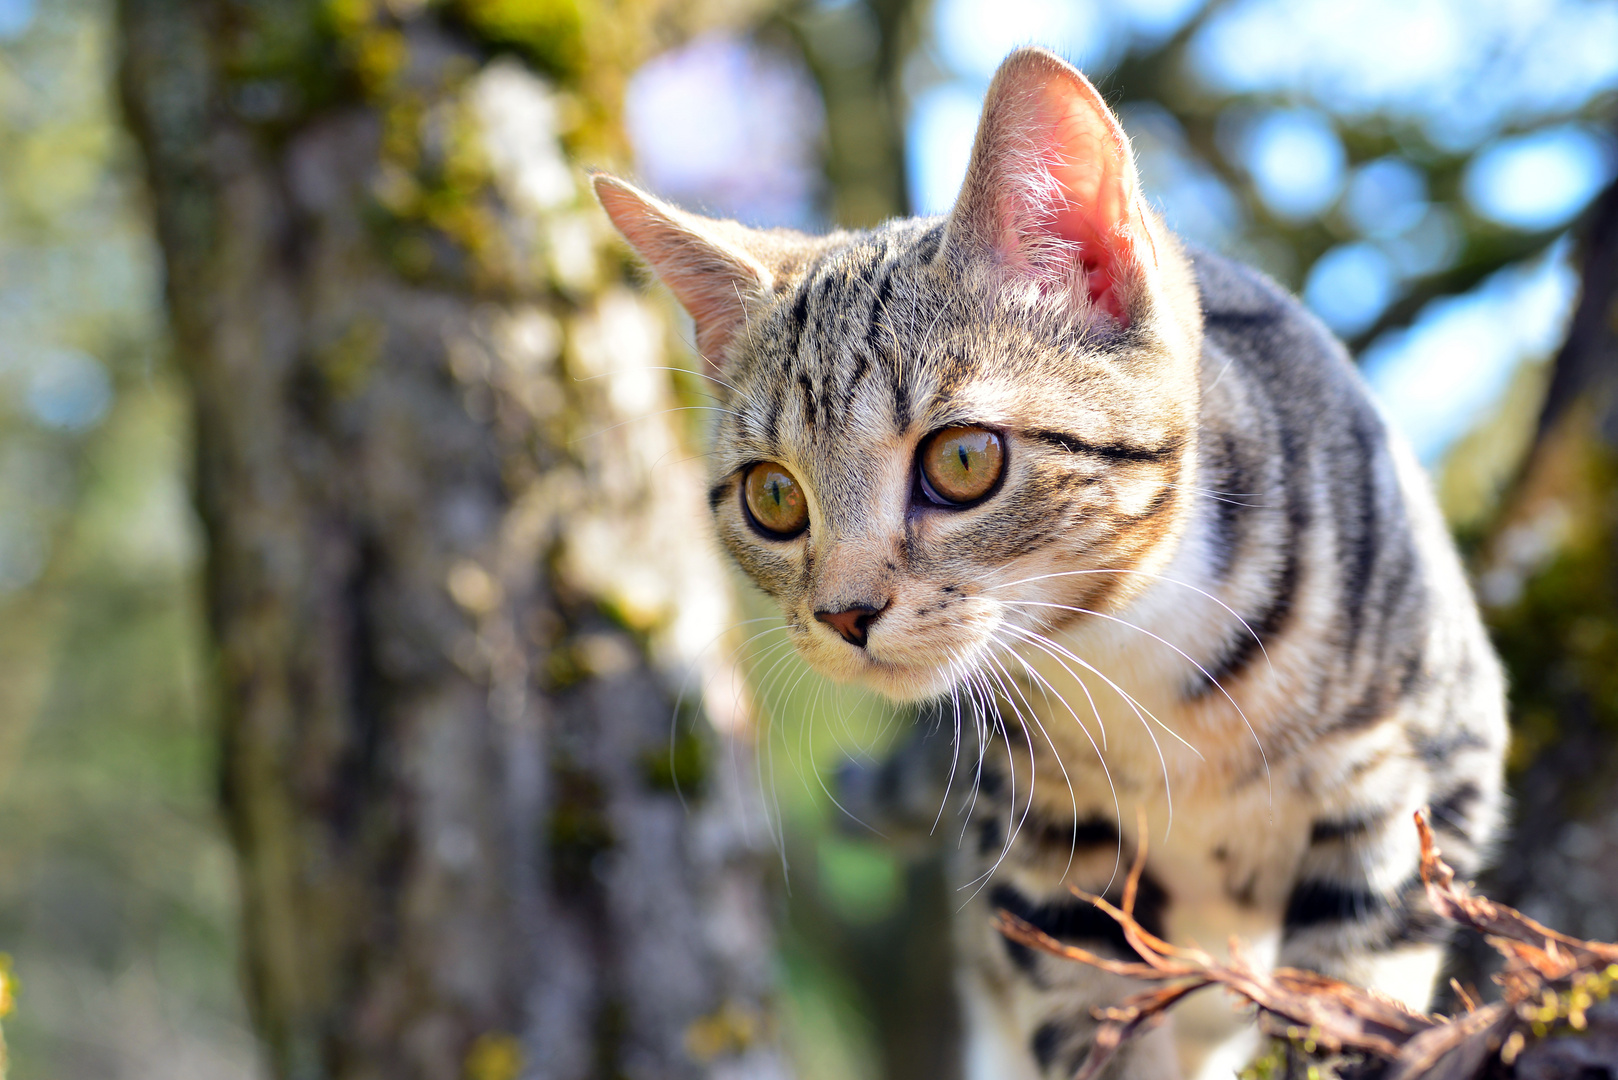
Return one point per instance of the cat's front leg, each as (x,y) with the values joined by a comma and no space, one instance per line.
(1031,1016)
(1358,909)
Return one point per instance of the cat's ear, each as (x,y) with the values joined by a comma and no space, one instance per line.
(703,262)
(1052,193)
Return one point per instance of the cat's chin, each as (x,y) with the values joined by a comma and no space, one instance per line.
(901,684)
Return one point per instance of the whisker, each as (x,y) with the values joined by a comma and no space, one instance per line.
(953,662)
(1120,690)
(1187,656)
(982,880)
(1134,705)
(989,718)
(1156,577)
(685,687)
(1033,714)
(1100,759)
(1219,496)
(814,768)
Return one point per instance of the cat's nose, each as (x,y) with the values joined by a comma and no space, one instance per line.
(852,622)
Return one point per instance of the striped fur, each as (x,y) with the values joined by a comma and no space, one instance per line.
(1211,592)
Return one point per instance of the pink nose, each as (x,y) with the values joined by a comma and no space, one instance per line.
(852,622)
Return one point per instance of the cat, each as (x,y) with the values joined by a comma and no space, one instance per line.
(1046,466)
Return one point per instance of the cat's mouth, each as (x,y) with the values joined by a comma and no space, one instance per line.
(898,678)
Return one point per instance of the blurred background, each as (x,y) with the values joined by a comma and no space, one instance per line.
(1422,172)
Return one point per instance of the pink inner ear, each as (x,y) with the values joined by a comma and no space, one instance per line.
(1091,200)
(1091,172)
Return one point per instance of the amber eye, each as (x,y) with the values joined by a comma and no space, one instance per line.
(775,499)
(961,464)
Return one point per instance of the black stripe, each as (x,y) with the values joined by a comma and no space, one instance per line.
(811,408)
(1091,832)
(717,493)
(1047,1043)
(1231,477)
(772,417)
(1439,749)
(1328,831)
(875,324)
(1065,1040)
(901,398)
(1359,537)
(1372,706)
(931,240)
(1159,503)
(1111,451)
(1266,626)
(798,321)
(1414,921)
(1240,321)
(1410,672)
(862,364)
(884,291)
(1453,812)
(1316,903)
(1245,649)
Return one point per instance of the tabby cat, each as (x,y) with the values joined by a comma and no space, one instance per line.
(1044,465)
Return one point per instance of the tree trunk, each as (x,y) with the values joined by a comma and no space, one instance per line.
(451,561)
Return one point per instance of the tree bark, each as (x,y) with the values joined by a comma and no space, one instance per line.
(454,569)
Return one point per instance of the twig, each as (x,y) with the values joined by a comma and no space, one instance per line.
(1332,1017)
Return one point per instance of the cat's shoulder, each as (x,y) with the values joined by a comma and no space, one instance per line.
(1234,292)
(1247,315)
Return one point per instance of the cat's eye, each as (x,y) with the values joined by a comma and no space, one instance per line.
(961,465)
(775,499)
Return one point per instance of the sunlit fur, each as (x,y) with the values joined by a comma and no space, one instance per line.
(1211,592)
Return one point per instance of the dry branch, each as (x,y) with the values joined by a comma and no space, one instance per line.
(1553,1018)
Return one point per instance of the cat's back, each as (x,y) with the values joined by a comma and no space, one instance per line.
(1323,530)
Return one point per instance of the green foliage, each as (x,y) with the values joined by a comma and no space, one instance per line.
(683,766)
(1560,638)
(549,33)
(859,880)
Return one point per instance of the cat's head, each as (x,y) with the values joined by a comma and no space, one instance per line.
(942,436)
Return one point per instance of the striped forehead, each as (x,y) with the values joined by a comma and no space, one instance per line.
(843,353)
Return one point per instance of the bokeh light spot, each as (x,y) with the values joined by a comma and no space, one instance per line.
(726,125)
(1539,181)
(69,390)
(1386,197)
(15,17)
(1295,158)
(1436,377)
(1349,286)
(974,37)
